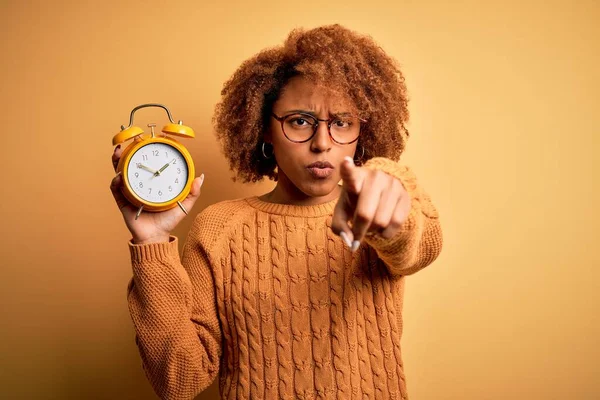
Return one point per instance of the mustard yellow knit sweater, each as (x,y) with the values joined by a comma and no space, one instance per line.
(269,298)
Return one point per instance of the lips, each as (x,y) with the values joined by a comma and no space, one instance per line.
(320,169)
(320,164)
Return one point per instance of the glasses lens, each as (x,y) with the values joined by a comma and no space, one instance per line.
(345,129)
(299,127)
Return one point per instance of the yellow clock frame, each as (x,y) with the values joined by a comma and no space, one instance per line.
(141,140)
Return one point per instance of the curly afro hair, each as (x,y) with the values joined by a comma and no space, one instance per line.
(331,56)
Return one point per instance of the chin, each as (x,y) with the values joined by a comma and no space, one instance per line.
(319,188)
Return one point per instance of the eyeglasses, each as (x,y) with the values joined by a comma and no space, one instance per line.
(301,127)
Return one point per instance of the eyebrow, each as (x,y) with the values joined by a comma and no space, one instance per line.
(335,114)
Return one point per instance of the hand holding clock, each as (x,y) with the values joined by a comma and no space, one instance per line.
(156,226)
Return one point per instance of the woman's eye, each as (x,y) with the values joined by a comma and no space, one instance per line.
(300,122)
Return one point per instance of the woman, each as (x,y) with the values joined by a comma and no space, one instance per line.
(296,293)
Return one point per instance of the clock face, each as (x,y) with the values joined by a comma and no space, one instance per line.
(157,172)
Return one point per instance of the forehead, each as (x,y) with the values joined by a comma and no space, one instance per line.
(299,92)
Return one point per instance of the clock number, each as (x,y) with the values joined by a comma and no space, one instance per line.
(178,170)
(170,189)
(175,161)
(166,154)
(155,153)
(177,180)
(144,157)
(141,185)
(160,193)
(150,191)
(137,174)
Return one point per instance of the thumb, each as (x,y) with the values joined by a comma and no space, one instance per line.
(194,194)
(352,176)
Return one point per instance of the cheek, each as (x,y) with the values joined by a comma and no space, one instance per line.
(286,153)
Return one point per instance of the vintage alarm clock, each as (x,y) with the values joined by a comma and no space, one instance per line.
(157,170)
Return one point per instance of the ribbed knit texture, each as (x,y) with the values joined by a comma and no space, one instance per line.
(267,296)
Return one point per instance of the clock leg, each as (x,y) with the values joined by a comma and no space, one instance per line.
(182,207)
(139,211)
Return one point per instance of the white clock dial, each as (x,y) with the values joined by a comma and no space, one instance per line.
(157,172)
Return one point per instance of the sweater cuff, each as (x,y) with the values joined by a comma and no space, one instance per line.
(154,251)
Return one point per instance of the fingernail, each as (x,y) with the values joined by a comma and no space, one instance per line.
(117,148)
(346,239)
(355,245)
(201,180)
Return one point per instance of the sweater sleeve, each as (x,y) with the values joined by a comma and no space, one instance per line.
(172,305)
(419,241)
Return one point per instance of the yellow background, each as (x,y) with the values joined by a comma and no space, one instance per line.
(505,125)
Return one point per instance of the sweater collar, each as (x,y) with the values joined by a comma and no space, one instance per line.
(318,210)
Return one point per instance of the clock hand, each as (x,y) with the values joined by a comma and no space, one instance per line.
(163,168)
(142,166)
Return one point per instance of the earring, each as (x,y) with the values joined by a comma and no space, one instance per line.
(358,161)
(265,154)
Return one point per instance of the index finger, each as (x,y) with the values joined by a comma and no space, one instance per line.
(366,207)
(352,176)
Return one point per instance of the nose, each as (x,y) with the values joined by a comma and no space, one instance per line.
(321,141)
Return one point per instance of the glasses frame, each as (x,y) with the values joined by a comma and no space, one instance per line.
(315,126)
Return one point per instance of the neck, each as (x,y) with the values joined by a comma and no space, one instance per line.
(285,192)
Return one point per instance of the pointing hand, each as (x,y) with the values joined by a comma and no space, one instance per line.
(373,201)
